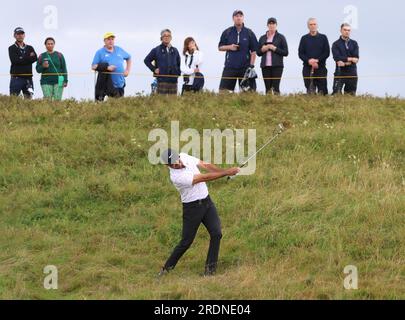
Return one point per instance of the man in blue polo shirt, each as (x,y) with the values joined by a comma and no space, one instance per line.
(111,58)
(240,45)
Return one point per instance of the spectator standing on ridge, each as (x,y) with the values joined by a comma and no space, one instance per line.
(109,62)
(272,48)
(164,61)
(314,50)
(191,66)
(346,55)
(22,56)
(240,45)
(54,77)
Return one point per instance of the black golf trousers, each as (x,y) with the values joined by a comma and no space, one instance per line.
(320,80)
(195,213)
(230,76)
(348,85)
(272,84)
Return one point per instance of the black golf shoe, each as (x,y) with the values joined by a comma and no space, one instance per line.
(163,272)
(209,272)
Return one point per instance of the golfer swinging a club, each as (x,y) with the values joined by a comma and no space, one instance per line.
(197,205)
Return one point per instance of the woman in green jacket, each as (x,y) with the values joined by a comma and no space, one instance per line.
(54,77)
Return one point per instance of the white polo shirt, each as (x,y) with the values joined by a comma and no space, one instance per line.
(183,180)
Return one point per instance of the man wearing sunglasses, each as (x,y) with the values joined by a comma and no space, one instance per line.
(164,61)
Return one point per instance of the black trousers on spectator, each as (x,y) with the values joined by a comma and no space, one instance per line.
(21,84)
(230,76)
(321,85)
(272,84)
(114,93)
(348,85)
(202,211)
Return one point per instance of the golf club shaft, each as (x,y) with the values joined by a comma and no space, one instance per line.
(257,152)
(312,88)
(281,127)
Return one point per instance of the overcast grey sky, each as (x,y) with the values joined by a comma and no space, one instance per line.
(81,25)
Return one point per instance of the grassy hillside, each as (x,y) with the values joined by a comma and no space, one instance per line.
(77,191)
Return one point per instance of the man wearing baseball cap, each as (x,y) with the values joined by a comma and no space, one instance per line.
(197,205)
(240,45)
(111,59)
(22,56)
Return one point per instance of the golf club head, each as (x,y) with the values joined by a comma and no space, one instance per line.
(285,125)
(231,178)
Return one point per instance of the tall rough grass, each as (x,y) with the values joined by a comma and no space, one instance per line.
(77,191)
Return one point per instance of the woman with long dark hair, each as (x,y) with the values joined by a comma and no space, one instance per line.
(191,66)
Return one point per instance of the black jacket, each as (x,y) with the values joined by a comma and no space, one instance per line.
(278,56)
(21,60)
(342,50)
(314,47)
(104,85)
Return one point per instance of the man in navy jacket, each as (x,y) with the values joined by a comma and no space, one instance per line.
(314,50)
(240,45)
(165,60)
(346,55)
(22,56)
